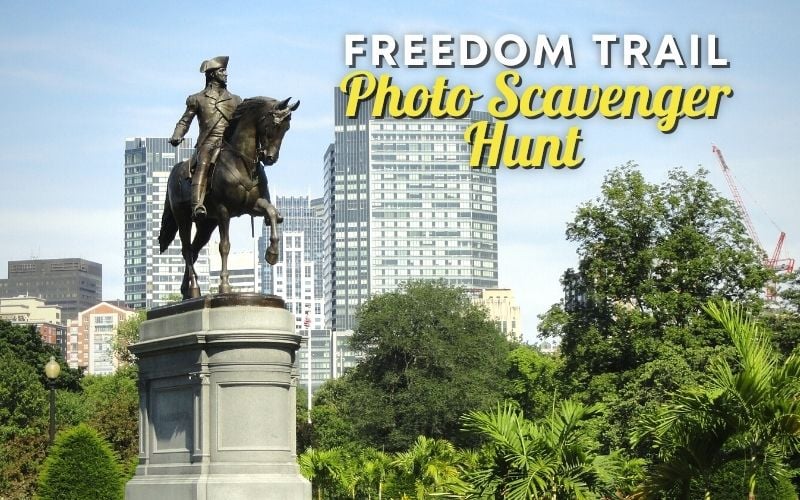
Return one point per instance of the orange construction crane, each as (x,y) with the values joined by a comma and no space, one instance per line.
(774,261)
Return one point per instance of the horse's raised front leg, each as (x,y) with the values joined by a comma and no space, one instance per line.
(272,218)
(224,249)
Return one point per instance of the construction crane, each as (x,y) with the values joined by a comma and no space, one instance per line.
(772,261)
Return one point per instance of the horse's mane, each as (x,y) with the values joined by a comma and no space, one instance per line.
(245,108)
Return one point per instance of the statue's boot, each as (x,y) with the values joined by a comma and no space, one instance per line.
(198,195)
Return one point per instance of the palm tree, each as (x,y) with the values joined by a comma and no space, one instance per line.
(375,469)
(746,410)
(430,466)
(532,461)
(323,468)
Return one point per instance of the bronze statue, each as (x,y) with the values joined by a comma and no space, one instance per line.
(214,107)
(235,139)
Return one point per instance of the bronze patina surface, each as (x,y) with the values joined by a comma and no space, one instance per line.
(225,177)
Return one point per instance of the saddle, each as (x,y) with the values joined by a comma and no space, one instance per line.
(189,167)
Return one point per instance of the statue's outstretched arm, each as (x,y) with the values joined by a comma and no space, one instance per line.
(183,124)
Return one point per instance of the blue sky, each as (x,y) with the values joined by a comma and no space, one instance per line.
(80,77)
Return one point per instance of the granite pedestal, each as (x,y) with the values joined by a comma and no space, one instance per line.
(217,401)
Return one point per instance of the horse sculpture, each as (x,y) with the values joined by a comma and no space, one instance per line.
(254,135)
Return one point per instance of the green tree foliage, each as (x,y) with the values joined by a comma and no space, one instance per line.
(332,426)
(127,334)
(431,356)
(112,407)
(783,315)
(548,459)
(80,466)
(324,469)
(428,467)
(23,399)
(25,344)
(746,410)
(24,406)
(20,459)
(730,483)
(375,469)
(650,256)
(531,381)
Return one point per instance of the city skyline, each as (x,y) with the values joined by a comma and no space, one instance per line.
(99,76)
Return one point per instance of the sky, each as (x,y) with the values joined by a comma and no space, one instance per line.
(80,77)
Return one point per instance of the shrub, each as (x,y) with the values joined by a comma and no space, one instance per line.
(80,466)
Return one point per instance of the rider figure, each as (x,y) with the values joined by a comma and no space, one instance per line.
(214,107)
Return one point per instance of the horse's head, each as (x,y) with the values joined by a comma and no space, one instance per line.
(271,128)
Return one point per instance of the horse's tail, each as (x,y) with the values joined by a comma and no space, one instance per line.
(169,226)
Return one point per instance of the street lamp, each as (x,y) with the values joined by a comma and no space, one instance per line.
(52,369)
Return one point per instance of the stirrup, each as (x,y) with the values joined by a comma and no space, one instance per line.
(199,213)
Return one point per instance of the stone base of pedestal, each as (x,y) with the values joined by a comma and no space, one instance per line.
(217,401)
(218,487)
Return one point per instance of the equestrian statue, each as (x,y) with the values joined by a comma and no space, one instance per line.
(225,177)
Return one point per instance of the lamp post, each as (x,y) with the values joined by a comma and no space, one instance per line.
(52,369)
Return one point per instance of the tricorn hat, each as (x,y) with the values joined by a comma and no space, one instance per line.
(217,62)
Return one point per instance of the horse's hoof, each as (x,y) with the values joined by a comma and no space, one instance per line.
(271,257)
(194,292)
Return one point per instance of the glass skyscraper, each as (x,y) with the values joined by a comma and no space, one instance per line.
(152,279)
(403,204)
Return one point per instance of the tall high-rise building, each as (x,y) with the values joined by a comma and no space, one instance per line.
(152,279)
(72,284)
(404,204)
(297,276)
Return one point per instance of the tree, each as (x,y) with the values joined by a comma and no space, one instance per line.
(23,406)
(650,257)
(375,468)
(23,399)
(783,317)
(23,426)
(332,426)
(550,459)
(80,466)
(127,335)
(20,459)
(531,381)
(430,466)
(323,468)
(747,409)
(24,343)
(431,356)
(112,406)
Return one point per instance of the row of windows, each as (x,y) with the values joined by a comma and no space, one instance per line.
(419,125)
(438,147)
(431,262)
